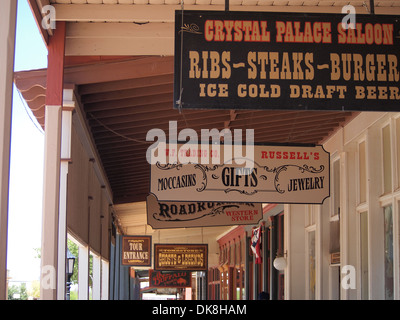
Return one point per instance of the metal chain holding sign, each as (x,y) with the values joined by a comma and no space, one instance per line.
(179,102)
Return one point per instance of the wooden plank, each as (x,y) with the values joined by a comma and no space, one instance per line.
(166,13)
(135,83)
(129,105)
(55,70)
(38,19)
(168,115)
(120,46)
(125,94)
(127,31)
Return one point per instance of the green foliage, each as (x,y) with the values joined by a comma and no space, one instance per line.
(34,290)
(15,290)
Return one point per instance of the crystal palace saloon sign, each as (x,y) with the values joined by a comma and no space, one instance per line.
(258,60)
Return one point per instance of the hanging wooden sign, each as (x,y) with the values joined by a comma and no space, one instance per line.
(174,257)
(271,60)
(278,174)
(168,279)
(168,215)
(136,251)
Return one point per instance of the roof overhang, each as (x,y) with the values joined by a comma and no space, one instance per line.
(103,27)
(123,98)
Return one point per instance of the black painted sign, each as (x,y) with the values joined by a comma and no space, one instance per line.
(169,215)
(136,251)
(258,60)
(180,257)
(170,279)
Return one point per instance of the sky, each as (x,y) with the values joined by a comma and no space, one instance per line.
(27,152)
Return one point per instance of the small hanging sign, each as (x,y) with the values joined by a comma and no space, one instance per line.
(274,174)
(168,215)
(178,257)
(136,251)
(168,279)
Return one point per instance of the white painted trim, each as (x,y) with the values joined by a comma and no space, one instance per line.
(96,280)
(287,249)
(8,12)
(165,13)
(51,198)
(105,275)
(83,273)
(66,128)
(62,232)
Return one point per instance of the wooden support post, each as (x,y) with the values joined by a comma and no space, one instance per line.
(51,181)
(273,291)
(8,12)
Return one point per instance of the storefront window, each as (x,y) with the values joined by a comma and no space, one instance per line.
(388,223)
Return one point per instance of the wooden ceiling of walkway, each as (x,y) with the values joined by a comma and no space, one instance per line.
(124,99)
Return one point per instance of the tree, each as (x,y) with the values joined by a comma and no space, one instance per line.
(34,290)
(17,292)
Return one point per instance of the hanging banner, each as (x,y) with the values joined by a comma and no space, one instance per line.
(136,251)
(167,279)
(276,174)
(178,257)
(303,61)
(168,215)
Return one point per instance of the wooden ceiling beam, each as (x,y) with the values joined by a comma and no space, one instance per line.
(169,115)
(124,94)
(135,83)
(301,125)
(132,106)
(143,127)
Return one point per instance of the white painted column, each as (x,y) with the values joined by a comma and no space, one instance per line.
(96,277)
(286,249)
(343,220)
(68,106)
(83,273)
(51,192)
(105,275)
(376,255)
(8,12)
(62,233)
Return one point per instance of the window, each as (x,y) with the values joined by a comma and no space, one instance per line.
(387,162)
(213,284)
(388,234)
